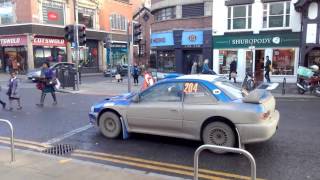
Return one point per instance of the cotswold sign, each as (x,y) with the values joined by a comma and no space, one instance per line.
(258,40)
(47,41)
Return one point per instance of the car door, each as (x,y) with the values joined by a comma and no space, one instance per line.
(198,104)
(159,110)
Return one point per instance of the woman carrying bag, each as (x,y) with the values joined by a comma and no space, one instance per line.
(47,84)
(13,91)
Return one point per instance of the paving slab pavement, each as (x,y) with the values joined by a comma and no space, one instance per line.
(38,166)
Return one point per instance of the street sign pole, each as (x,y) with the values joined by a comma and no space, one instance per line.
(130,52)
(76,35)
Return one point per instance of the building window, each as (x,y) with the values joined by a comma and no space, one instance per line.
(86,16)
(276,14)
(118,22)
(192,10)
(53,12)
(7,12)
(283,61)
(165,14)
(49,54)
(239,17)
(225,59)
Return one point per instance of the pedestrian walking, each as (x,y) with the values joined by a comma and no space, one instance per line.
(135,74)
(268,68)
(13,91)
(3,104)
(233,70)
(47,84)
(194,68)
(206,69)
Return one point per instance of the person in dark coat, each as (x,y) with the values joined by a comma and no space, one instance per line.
(48,81)
(13,91)
(135,74)
(233,70)
(267,68)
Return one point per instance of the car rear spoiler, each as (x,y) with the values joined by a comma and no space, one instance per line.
(257,96)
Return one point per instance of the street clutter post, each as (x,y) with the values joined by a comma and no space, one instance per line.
(11,138)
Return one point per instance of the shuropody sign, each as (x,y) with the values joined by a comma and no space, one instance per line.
(257,40)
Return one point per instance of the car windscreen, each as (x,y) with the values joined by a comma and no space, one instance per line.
(229,89)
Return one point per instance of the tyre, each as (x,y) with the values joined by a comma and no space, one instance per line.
(110,125)
(301,91)
(317,91)
(219,133)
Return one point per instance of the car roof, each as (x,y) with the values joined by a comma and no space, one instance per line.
(205,77)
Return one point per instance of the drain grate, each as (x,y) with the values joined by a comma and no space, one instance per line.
(60,149)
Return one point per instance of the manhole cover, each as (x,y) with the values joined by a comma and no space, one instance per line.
(60,149)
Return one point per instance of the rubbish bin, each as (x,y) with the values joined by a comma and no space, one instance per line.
(67,77)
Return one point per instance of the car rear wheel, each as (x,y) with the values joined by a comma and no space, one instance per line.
(110,125)
(219,133)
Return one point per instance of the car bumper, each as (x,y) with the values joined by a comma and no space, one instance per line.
(93,118)
(251,133)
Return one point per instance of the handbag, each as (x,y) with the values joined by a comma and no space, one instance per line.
(233,75)
(40,86)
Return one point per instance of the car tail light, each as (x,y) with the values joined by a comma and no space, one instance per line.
(265,115)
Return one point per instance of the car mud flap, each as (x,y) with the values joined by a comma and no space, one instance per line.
(241,146)
(125,134)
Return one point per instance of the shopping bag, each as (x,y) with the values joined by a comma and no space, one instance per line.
(118,77)
(58,84)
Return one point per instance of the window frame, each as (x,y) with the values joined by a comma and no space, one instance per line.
(5,3)
(118,22)
(83,10)
(285,14)
(230,18)
(158,85)
(165,14)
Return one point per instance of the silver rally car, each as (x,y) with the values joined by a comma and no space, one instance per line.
(199,107)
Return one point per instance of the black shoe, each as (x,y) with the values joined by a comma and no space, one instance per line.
(55,103)
(19,108)
(4,106)
(10,109)
(39,105)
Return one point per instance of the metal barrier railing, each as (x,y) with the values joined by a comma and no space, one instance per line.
(12,138)
(226,149)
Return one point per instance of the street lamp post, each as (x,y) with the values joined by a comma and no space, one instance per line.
(76,41)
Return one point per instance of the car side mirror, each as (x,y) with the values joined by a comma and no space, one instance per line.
(136,98)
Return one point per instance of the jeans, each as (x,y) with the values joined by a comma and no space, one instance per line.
(267,76)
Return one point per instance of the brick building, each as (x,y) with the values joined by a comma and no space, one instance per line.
(181,34)
(32,31)
(141,53)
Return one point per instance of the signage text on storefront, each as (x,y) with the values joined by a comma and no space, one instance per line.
(47,41)
(257,40)
(13,41)
(192,38)
(162,39)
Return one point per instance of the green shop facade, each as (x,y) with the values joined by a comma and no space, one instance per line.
(250,50)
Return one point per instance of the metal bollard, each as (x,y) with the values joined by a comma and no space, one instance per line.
(283,86)
(227,149)
(12,138)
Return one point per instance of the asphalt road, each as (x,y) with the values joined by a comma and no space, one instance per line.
(292,154)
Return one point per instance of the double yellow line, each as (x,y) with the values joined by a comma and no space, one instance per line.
(134,162)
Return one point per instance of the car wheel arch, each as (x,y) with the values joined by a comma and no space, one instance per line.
(223,120)
(107,110)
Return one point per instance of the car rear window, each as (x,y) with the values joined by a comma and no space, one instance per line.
(229,89)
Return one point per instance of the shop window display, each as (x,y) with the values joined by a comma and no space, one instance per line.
(13,58)
(49,54)
(225,59)
(166,61)
(283,61)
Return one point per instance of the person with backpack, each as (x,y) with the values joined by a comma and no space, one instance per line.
(135,74)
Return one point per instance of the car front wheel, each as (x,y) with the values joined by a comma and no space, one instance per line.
(219,133)
(110,125)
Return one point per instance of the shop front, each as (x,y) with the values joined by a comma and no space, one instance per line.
(48,49)
(13,53)
(251,52)
(117,54)
(163,57)
(89,54)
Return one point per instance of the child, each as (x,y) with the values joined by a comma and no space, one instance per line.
(2,103)
(13,91)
